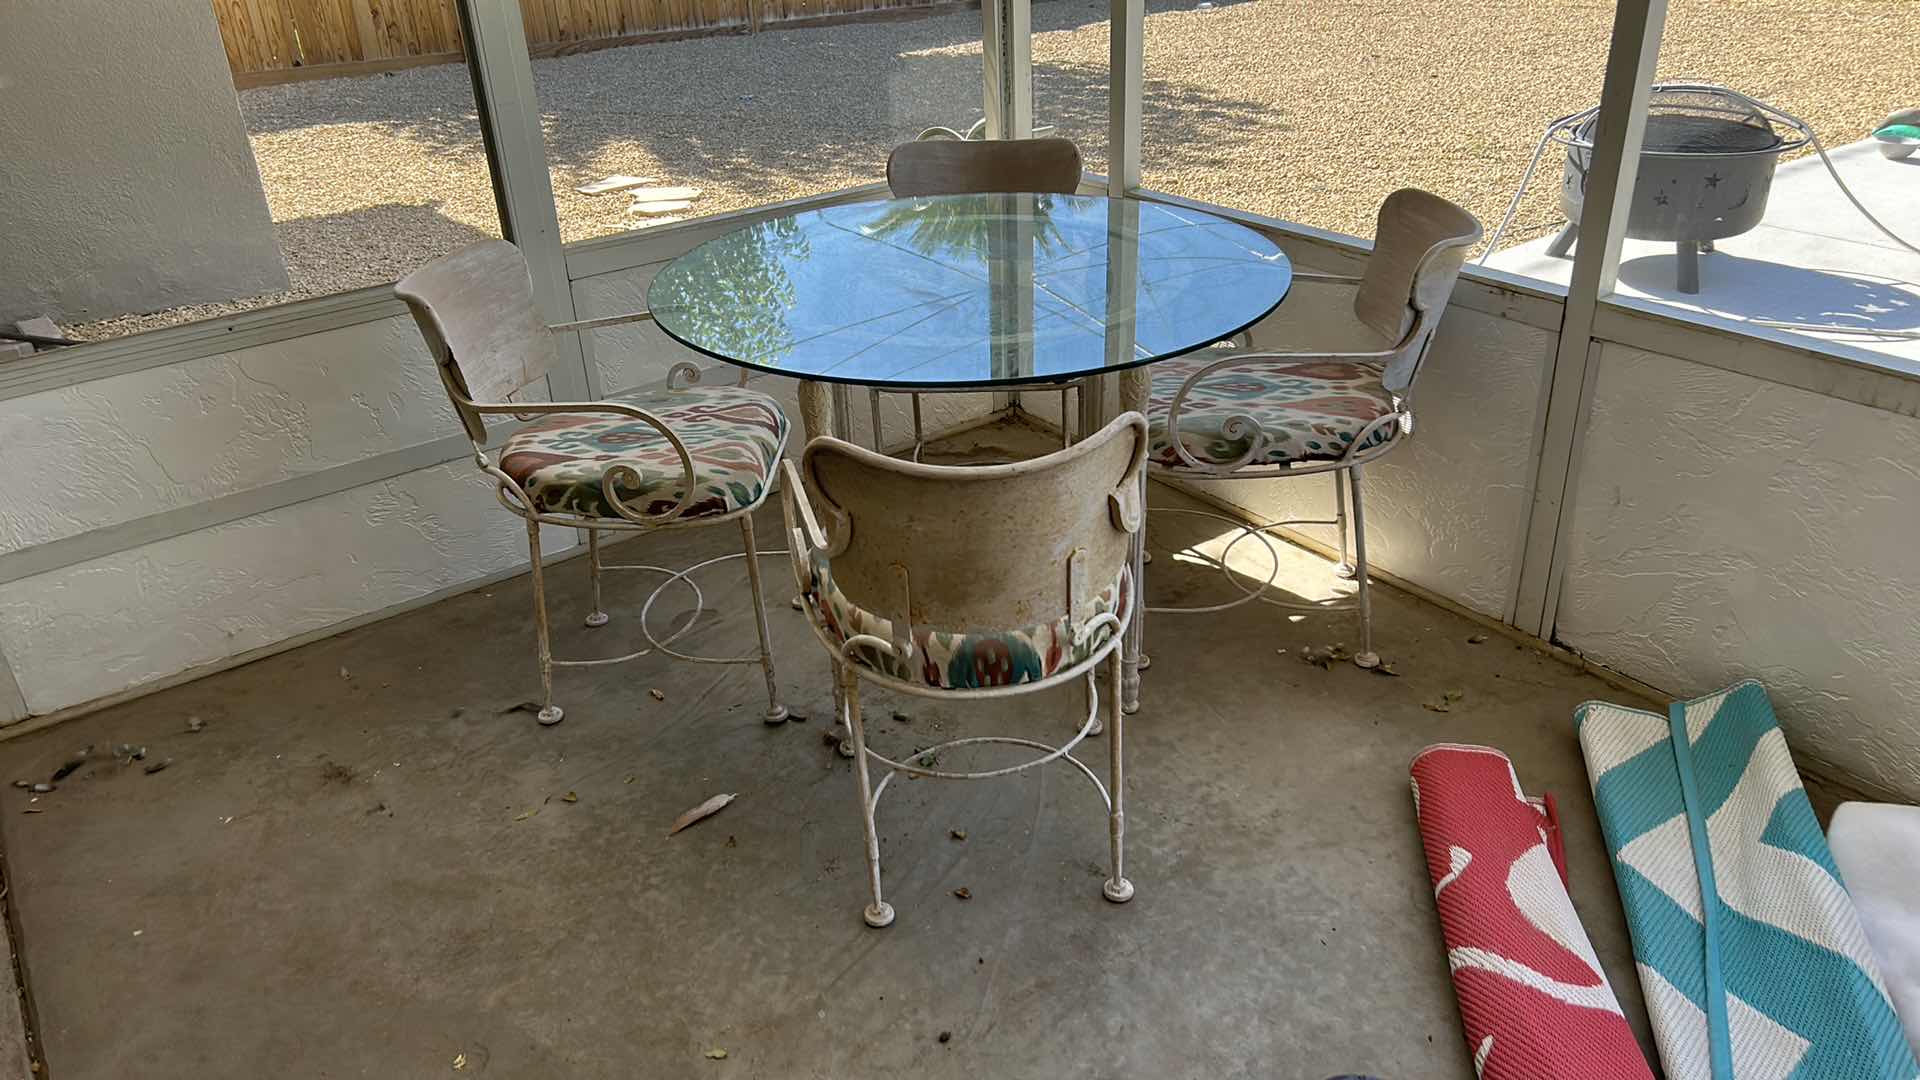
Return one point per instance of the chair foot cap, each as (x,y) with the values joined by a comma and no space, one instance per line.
(776,714)
(598,618)
(879,915)
(1367,660)
(1118,890)
(550,715)
(1345,570)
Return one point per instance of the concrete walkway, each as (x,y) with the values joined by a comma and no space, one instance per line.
(363,867)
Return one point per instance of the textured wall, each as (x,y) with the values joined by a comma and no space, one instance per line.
(183,433)
(1726,527)
(116,449)
(154,611)
(126,180)
(1447,510)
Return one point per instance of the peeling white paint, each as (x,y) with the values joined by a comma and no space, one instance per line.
(1726,527)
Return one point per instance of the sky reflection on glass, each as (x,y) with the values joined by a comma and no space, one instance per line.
(969,289)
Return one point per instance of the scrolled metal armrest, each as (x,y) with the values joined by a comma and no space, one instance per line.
(804,535)
(1243,425)
(609,483)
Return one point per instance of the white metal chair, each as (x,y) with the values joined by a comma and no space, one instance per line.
(639,462)
(972,583)
(1228,414)
(942,162)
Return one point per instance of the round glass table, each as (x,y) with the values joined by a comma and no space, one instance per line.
(969,291)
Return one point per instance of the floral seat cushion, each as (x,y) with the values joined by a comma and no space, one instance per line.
(965,661)
(1307,411)
(733,434)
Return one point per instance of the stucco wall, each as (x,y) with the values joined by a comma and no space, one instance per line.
(1724,527)
(1446,511)
(126,180)
(172,438)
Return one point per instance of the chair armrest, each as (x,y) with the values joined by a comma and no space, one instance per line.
(607,320)
(804,535)
(609,484)
(1242,424)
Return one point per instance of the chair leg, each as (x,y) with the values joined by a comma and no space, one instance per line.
(1066,418)
(776,713)
(919,431)
(1345,569)
(598,616)
(879,913)
(873,401)
(549,714)
(1116,888)
(840,727)
(1366,657)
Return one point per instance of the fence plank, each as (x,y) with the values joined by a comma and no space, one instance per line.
(264,37)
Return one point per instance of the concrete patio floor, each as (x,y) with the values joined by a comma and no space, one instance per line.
(364,867)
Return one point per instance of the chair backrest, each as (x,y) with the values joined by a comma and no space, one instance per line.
(1419,244)
(980,547)
(475,307)
(970,166)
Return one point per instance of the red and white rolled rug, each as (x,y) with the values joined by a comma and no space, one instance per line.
(1533,998)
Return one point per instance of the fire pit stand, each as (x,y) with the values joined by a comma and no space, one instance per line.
(1706,167)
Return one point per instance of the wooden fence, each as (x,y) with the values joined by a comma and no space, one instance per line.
(270,41)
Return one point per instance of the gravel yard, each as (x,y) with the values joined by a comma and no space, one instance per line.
(1310,110)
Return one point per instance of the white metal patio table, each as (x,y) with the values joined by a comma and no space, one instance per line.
(980,292)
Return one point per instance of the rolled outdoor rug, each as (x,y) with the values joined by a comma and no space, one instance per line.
(1533,999)
(1877,848)
(1771,977)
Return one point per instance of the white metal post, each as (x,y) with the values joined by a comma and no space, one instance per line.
(1006,52)
(1631,59)
(1126,73)
(523,189)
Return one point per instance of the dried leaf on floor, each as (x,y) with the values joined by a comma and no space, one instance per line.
(345,674)
(156,766)
(195,725)
(1454,695)
(704,810)
(631,778)
(525,814)
(957,834)
(731,842)
(1436,706)
(570,797)
(1384,669)
(68,766)
(946,1036)
(902,718)
(963,893)
(717,1054)
(459,1062)
(657,694)
(1477,639)
(1320,658)
(33,810)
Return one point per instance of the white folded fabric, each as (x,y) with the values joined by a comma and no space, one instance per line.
(1877,848)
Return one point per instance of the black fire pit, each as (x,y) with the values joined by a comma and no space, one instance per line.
(1706,166)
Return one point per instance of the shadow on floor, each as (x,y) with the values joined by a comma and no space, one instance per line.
(367,865)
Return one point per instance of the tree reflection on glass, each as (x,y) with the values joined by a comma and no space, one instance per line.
(732,295)
(964,227)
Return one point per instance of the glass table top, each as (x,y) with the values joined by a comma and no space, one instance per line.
(969,290)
